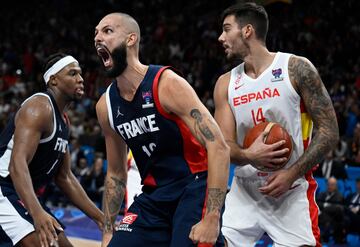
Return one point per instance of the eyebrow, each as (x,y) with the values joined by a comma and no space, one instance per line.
(226,25)
(76,70)
(106,26)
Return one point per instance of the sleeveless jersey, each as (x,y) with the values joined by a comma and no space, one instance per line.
(49,153)
(162,145)
(270,97)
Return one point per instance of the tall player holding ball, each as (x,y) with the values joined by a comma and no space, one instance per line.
(280,88)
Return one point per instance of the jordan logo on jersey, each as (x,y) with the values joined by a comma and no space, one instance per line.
(118,112)
(138,126)
(61,145)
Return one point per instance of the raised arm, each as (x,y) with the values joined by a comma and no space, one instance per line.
(177,97)
(308,83)
(116,176)
(70,186)
(33,120)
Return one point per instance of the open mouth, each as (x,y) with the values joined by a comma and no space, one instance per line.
(80,91)
(104,53)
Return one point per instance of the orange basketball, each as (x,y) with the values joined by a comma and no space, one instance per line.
(276,133)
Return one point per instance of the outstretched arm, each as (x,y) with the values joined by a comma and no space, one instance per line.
(307,82)
(116,176)
(177,97)
(70,186)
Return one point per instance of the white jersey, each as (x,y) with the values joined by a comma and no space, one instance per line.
(270,97)
(291,219)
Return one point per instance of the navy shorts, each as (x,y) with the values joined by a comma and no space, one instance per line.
(164,217)
(15,221)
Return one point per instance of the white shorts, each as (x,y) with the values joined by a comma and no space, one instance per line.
(15,221)
(290,221)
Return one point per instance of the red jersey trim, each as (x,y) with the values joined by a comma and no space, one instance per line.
(194,153)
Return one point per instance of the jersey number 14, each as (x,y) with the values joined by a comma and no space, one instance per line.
(258,117)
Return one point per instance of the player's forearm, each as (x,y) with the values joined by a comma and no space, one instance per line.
(24,188)
(321,144)
(238,156)
(112,199)
(76,194)
(218,174)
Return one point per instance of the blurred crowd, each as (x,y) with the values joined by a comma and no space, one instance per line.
(178,33)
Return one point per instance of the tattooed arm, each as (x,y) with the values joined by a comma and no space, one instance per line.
(308,84)
(116,176)
(177,97)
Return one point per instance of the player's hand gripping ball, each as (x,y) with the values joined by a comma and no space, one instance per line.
(276,133)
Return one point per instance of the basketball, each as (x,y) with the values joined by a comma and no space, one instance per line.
(276,133)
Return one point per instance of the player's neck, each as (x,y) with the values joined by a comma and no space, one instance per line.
(129,81)
(60,100)
(258,60)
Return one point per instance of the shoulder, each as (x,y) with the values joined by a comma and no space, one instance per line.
(300,66)
(302,72)
(222,84)
(37,106)
(295,60)
(169,75)
(101,105)
(223,80)
(36,111)
(172,83)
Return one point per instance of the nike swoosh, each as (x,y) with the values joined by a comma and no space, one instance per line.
(236,88)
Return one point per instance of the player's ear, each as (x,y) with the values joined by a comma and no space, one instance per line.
(52,80)
(132,39)
(248,30)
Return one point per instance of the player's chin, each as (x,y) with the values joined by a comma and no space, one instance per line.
(229,55)
(78,96)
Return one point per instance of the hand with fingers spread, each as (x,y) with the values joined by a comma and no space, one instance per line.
(262,155)
(46,226)
(206,231)
(278,183)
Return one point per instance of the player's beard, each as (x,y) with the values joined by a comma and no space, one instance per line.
(241,52)
(118,57)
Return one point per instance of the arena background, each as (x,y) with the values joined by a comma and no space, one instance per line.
(182,34)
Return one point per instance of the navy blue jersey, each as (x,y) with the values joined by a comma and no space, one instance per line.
(49,153)
(162,145)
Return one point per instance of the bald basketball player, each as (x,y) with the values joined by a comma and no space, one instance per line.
(181,154)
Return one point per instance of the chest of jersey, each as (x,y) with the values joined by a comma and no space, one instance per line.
(270,97)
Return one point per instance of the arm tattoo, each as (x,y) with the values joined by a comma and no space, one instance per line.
(319,106)
(215,200)
(113,197)
(201,125)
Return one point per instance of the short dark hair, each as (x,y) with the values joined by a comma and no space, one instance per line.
(250,13)
(51,60)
